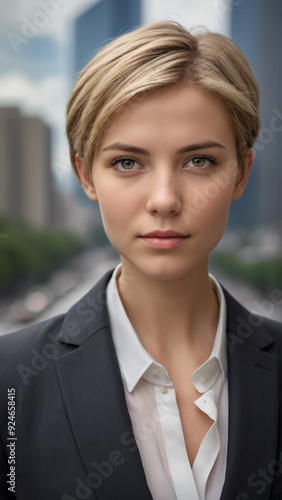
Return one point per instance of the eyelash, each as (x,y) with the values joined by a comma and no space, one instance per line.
(128,172)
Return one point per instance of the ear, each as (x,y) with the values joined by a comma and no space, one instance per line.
(243,177)
(85,182)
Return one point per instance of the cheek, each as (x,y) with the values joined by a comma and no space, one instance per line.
(210,206)
(216,220)
(218,211)
(116,207)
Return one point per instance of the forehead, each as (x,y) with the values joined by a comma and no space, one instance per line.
(176,114)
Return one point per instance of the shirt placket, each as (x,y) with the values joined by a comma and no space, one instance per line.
(178,462)
(210,445)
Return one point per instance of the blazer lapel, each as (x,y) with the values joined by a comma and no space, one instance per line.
(253,381)
(94,399)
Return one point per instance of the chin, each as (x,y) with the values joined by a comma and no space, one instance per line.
(163,269)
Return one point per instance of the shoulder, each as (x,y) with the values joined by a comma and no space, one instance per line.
(274,327)
(23,339)
(20,347)
(261,331)
(57,335)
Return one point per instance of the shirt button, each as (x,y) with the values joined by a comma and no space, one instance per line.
(204,380)
(164,390)
(203,400)
(156,374)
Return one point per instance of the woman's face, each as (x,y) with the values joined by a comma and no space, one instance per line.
(167,163)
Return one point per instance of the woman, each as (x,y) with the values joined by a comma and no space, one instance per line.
(157,384)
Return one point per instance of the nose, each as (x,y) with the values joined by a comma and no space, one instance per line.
(164,195)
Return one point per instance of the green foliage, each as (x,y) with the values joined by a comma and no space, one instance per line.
(265,274)
(29,254)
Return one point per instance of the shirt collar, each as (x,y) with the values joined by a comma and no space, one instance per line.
(205,376)
(135,362)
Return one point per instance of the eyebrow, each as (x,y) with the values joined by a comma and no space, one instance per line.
(192,147)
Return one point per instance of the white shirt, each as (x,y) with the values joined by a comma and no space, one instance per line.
(154,414)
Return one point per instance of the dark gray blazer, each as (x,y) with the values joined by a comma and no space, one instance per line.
(74,436)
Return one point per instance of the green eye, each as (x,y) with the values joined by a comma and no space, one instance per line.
(199,162)
(127,164)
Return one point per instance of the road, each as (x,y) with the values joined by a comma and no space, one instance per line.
(95,264)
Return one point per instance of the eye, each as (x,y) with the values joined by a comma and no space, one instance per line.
(201,162)
(125,164)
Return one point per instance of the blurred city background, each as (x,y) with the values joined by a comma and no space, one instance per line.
(52,245)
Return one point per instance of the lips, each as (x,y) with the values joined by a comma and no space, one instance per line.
(164,234)
(163,240)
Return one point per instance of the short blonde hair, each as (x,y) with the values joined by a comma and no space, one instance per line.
(151,58)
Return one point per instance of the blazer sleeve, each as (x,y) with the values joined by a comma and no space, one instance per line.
(16,350)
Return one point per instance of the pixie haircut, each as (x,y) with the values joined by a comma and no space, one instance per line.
(155,57)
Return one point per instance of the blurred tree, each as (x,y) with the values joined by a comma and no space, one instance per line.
(263,274)
(29,255)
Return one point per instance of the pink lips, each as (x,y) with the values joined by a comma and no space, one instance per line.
(164,239)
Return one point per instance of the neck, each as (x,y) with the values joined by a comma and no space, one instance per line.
(172,318)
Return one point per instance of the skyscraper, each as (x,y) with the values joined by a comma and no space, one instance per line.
(107,19)
(26,188)
(257,29)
